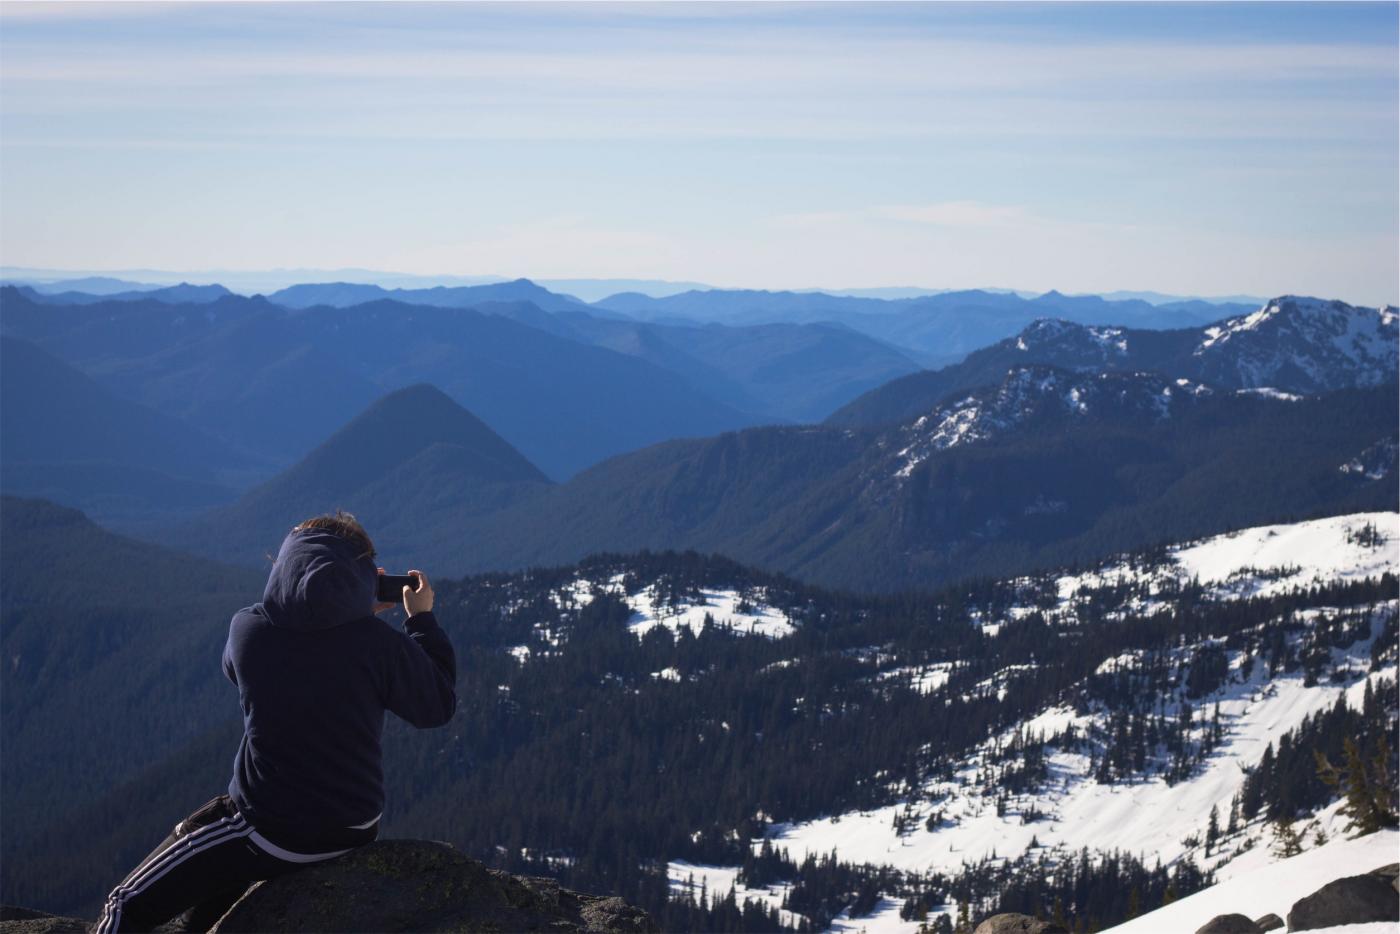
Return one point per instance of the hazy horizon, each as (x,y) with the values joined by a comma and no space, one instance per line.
(1200,149)
(256,281)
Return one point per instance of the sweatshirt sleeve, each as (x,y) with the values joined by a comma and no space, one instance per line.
(422,674)
(229,671)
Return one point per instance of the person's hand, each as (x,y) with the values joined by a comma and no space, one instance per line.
(420,600)
(381,607)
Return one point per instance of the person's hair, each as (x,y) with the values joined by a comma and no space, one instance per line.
(343,524)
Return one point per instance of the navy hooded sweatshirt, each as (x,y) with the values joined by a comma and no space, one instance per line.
(315,670)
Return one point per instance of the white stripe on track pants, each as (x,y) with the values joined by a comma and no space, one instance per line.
(207,862)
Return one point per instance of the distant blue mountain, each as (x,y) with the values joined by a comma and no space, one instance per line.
(938,328)
(1161,298)
(184,293)
(92,285)
(591,290)
(784,372)
(277,381)
(345,294)
(788,372)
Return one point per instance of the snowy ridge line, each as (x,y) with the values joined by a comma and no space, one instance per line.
(1256,562)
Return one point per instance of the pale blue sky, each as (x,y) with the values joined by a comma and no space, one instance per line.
(1201,148)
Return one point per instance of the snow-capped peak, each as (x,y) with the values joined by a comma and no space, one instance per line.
(1305,343)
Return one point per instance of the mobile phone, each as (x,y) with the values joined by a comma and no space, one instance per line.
(391,586)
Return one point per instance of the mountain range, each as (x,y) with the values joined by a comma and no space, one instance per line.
(345,294)
(938,329)
(1291,344)
(1060,628)
(1048,465)
(272,380)
(1063,442)
(1056,480)
(181,294)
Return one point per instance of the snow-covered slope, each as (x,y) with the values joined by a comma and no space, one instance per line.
(1272,888)
(966,814)
(1147,816)
(1260,561)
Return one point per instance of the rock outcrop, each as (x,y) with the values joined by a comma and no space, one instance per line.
(1229,924)
(1269,922)
(1011,923)
(1351,900)
(398,885)
(15,920)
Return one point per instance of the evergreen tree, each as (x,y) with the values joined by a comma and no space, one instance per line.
(1367,787)
(1286,840)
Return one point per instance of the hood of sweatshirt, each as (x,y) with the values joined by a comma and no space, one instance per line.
(318,581)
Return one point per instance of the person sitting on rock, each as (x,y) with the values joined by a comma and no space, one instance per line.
(315,669)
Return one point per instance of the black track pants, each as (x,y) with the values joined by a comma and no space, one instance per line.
(204,866)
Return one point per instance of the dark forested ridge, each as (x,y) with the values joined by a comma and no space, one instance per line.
(65,437)
(415,467)
(1017,476)
(111,650)
(844,508)
(596,741)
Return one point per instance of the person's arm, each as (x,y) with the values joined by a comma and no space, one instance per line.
(228,659)
(423,672)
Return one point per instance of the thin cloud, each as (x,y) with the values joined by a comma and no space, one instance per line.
(963,214)
(957,214)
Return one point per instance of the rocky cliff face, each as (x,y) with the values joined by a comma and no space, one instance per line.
(398,885)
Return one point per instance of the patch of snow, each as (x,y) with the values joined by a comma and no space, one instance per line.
(667,674)
(1249,322)
(1268,392)
(924,679)
(1110,339)
(1376,462)
(722,607)
(883,919)
(715,882)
